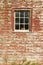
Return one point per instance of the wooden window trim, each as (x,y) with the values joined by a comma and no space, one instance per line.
(12,19)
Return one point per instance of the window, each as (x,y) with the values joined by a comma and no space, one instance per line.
(22,20)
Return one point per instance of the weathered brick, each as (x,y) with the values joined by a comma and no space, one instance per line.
(15,46)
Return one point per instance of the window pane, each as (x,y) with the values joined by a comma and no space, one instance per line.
(21,14)
(17,26)
(26,20)
(26,27)
(17,14)
(21,26)
(27,14)
(21,20)
(17,20)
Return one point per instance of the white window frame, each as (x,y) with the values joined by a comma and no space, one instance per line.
(29,20)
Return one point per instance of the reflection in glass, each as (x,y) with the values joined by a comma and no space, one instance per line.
(17,26)
(17,14)
(21,26)
(26,27)
(21,14)
(21,20)
(17,20)
(26,20)
(27,14)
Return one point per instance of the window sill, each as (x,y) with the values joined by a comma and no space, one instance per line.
(21,31)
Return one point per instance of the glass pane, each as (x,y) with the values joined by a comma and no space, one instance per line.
(17,14)
(22,27)
(17,26)
(21,20)
(27,14)
(26,20)
(17,20)
(21,14)
(26,27)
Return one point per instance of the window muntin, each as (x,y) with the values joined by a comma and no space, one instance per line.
(22,20)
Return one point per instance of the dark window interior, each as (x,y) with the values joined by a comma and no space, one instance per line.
(22,18)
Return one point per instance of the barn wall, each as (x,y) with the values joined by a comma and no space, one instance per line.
(16,46)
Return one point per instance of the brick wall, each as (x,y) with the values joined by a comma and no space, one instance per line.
(15,46)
